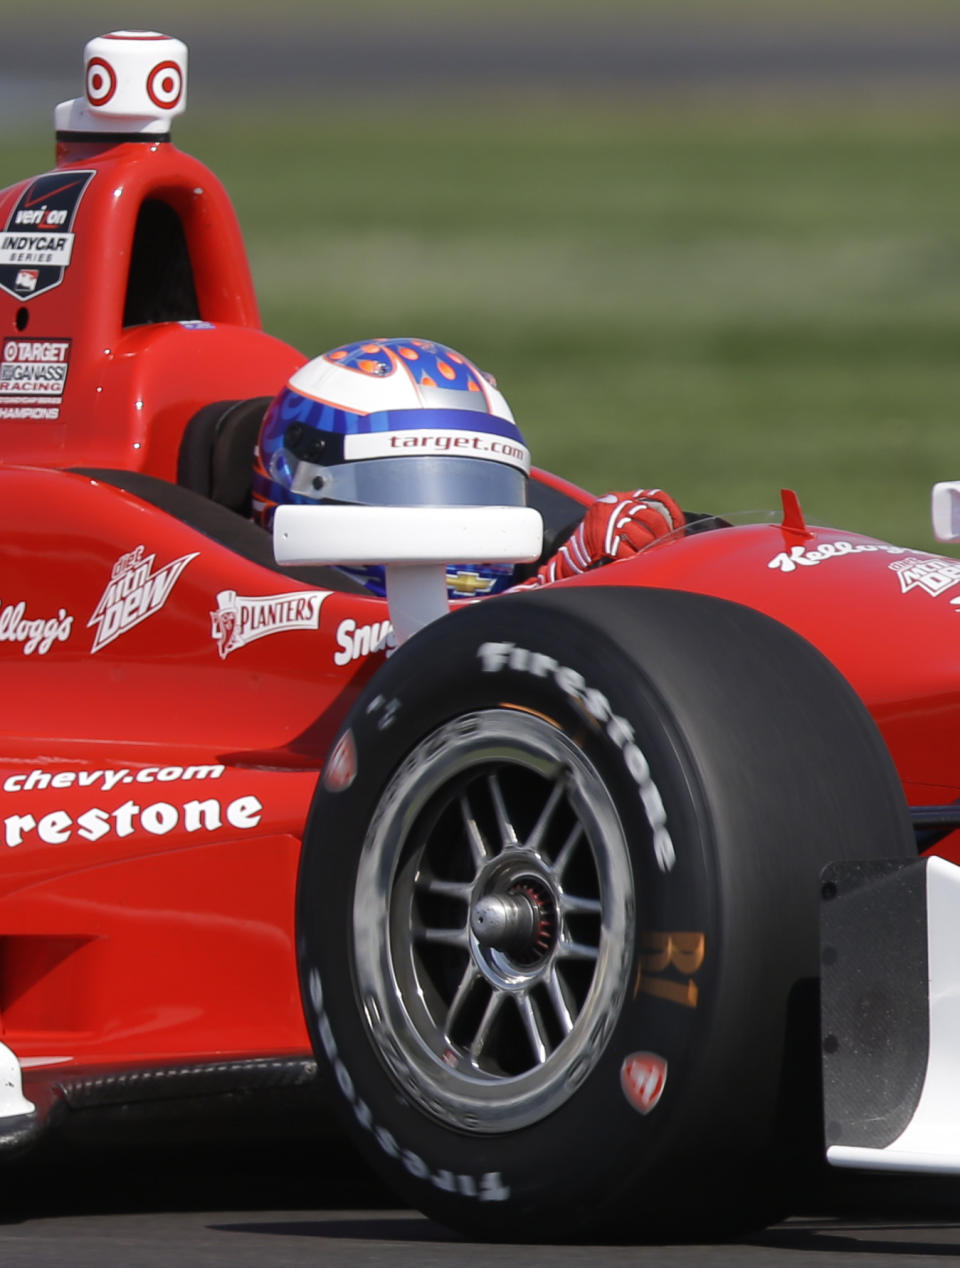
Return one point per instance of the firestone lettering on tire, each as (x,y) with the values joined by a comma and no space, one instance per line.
(487,1187)
(495,657)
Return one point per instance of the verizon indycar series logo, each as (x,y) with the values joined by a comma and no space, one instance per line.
(133,593)
(242,618)
(33,375)
(36,243)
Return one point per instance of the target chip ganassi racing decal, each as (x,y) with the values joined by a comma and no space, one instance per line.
(33,377)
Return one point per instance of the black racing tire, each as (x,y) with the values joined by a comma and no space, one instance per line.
(558,911)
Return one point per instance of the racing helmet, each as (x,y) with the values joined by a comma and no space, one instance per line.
(393,422)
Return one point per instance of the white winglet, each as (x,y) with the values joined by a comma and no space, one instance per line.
(414,542)
(12,1101)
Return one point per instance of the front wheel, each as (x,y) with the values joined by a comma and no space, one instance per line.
(558,906)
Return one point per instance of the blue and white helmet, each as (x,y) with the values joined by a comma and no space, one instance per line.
(393,422)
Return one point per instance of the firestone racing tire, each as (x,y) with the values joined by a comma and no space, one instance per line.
(557,911)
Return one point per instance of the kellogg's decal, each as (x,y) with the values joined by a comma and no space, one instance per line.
(34,634)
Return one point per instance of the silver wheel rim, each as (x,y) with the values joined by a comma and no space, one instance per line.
(493,921)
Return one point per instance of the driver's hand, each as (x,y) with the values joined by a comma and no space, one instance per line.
(614,527)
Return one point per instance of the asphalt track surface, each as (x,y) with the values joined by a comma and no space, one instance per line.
(159,1202)
(219,1206)
(240,1203)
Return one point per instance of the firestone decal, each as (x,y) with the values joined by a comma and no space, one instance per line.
(133,593)
(241,619)
(495,657)
(643,1076)
(57,827)
(36,635)
(931,573)
(799,556)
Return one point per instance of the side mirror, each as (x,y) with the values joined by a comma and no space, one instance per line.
(414,543)
(945,511)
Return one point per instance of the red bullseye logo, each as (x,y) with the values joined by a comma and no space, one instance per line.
(165,85)
(101,81)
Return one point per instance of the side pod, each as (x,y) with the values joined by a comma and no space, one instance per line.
(890,954)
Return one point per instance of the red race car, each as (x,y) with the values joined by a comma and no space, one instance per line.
(534,895)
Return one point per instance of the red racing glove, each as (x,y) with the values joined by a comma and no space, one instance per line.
(615,527)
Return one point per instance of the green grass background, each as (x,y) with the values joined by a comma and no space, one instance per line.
(720,301)
(719,297)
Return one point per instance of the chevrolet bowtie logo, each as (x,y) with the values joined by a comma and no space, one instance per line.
(469,582)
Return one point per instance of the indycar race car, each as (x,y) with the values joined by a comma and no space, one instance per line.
(529,888)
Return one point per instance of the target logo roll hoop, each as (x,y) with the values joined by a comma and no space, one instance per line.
(133,81)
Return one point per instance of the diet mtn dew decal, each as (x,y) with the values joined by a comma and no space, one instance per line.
(36,243)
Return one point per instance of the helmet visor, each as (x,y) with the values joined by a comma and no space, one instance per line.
(420,481)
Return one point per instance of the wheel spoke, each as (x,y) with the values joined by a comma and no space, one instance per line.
(494,1004)
(475,838)
(567,849)
(533,1026)
(569,950)
(572,905)
(508,833)
(535,840)
(445,937)
(559,1000)
(443,889)
(467,983)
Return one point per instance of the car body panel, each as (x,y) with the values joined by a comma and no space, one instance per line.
(171,696)
(869,606)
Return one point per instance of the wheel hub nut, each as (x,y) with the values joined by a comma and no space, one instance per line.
(505,922)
